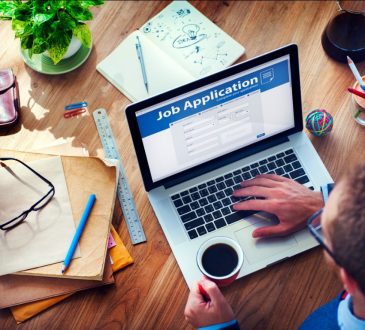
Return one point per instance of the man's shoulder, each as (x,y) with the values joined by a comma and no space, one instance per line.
(325,317)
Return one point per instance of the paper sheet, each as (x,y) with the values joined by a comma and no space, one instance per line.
(191,39)
(45,236)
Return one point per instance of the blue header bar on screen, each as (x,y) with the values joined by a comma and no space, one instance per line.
(264,79)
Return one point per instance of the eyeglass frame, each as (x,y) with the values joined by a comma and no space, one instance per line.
(34,206)
(318,238)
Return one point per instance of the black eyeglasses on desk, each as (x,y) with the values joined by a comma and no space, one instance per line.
(9,224)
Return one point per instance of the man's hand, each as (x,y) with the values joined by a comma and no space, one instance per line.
(201,312)
(291,202)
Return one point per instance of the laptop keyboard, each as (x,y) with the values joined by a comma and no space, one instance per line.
(209,206)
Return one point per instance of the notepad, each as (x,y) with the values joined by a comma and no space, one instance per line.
(43,238)
(179,45)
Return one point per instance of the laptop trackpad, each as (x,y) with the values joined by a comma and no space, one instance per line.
(256,250)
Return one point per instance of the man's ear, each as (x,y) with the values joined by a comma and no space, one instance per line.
(348,282)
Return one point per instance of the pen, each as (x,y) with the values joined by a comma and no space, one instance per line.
(356,92)
(141,61)
(203,293)
(355,73)
(78,232)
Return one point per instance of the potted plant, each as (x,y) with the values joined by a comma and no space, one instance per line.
(49,25)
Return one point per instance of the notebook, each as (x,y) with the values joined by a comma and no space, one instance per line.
(195,145)
(179,45)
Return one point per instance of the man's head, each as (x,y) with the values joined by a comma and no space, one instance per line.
(343,222)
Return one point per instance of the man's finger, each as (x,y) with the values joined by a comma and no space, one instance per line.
(254,191)
(273,177)
(261,181)
(195,292)
(270,231)
(256,204)
(212,290)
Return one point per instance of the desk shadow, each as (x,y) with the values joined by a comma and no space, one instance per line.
(51,93)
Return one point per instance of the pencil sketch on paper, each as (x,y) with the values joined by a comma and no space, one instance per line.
(190,38)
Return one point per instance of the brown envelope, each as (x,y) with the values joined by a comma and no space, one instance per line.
(84,175)
(16,290)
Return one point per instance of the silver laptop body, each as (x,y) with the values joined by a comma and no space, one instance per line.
(194,141)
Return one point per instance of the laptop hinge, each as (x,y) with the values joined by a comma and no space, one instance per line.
(202,169)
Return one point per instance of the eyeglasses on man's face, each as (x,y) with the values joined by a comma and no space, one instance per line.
(7,224)
(314,224)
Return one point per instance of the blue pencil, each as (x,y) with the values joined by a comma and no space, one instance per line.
(78,232)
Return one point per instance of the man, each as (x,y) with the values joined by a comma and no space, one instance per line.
(342,236)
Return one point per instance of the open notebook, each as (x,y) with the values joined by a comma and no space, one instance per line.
(179,45)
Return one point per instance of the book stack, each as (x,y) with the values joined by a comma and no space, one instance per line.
(37,288)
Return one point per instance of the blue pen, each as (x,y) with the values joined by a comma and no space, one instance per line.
(78,232)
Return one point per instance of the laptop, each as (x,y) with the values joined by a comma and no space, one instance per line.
(196,143)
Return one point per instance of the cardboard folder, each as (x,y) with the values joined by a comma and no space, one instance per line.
(84,176)
(17,290)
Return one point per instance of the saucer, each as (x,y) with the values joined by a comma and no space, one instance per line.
(44,64)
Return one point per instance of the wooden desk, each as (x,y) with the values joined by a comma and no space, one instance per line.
(152,293)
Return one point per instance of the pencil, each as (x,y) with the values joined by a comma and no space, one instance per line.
(203,292)
(355,73)
(356,92)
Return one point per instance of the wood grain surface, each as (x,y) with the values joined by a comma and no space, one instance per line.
(151,294)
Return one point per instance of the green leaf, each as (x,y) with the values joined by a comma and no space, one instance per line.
(45,6)
(26,42)
(39,46)
(90,3)
(18,26)
(58,45)
(41,18)
(82,32)
(7,9)
(43,30)
(66,21)
(77,11)
(23,12)
(22,29)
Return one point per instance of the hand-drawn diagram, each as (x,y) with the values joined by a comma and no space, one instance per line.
(190,38)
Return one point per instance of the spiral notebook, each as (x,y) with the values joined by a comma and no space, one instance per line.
(178,45)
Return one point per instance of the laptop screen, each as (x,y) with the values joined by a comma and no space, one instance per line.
(216,119)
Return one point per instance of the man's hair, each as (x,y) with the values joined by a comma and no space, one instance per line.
(347,231)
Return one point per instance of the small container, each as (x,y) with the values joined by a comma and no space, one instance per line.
(358,104)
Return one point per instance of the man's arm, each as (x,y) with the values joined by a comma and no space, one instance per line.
(211,312)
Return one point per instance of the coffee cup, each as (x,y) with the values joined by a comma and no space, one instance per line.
(220,259)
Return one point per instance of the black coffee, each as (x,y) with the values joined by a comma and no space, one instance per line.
(219,259)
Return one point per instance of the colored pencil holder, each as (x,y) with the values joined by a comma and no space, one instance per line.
(357,106)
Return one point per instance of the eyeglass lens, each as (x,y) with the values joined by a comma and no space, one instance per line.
(317,225)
